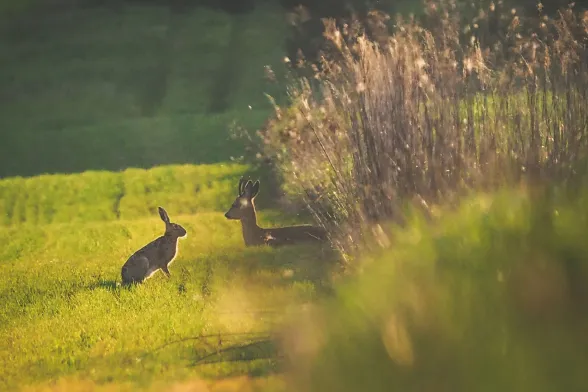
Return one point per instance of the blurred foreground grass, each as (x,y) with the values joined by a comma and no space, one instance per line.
(493,297)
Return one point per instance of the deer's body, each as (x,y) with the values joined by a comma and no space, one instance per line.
(243,209)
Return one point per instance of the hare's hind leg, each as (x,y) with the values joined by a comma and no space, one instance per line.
(141,270)
(135,269)
(166,271)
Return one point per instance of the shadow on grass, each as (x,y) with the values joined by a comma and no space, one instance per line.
(107,284)
(224,348)
(256,350)
(288,265)
(142,142)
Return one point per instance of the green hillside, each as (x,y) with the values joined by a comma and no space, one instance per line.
(129,194)
(110,109)
(106,88)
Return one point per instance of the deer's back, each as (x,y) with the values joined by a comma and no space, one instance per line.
(294,234)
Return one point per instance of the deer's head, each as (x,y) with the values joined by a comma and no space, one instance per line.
(243,204)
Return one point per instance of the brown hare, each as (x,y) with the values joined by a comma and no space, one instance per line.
(243,209)
(156,255)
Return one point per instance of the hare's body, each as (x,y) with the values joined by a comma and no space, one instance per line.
(156,255)
(243,209)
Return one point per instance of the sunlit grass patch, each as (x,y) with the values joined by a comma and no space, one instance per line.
(192,384)
(60,198)
(133,193)
(188,188)
(69,317)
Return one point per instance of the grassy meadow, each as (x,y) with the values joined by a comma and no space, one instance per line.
(129,194)
(110,110)
(67,315)
(101,88)
(107,113)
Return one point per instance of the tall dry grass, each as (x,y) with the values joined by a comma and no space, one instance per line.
(433,109)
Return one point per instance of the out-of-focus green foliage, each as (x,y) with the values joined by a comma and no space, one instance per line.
(492,297)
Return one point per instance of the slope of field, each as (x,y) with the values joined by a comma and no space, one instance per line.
(129,194)
(136,85)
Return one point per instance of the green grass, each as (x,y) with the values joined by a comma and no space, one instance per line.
(106,89)
(138,102)
(130,143)
(89,65)
(491,296)
(68,316)
(65,238)
(129,194)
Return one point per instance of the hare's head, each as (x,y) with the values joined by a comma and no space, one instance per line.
(243,204)
(171,229)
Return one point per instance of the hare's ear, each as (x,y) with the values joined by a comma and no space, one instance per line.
(255,189)
(163,215)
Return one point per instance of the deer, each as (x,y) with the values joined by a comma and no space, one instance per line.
(243,209)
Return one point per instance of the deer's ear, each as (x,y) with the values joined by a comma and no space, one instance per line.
(247,187)
(241,186)
(255,189)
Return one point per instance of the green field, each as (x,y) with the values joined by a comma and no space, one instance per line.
(110,111)
(129,194)
(491,296)
(67,315)
(135,86)
(106,114)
